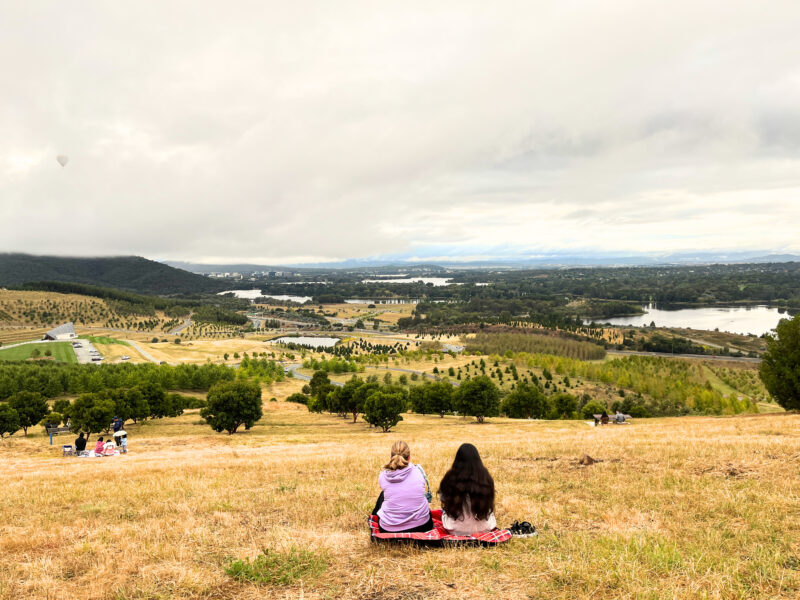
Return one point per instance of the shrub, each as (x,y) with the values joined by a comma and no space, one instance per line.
(191,401)
(416,397)
(53,418)
(438,397)
(92,413)
(9,420)
(563,406)
(316,405)
(61,406)
(298,398)
(31,408)
(279,568)
(593,408)
(525,402)
(478,397)
(780,367)
(231,405)
(383,408)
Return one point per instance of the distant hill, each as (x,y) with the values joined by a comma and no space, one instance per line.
(132,273)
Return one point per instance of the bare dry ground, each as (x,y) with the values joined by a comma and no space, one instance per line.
(388,313)
(677,508)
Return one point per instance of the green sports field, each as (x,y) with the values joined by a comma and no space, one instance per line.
(62,351)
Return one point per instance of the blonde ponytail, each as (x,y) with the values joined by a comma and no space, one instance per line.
(400,455)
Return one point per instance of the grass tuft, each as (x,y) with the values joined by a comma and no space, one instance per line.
(279,568)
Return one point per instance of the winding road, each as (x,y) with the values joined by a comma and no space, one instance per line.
(142,351)
(179,328)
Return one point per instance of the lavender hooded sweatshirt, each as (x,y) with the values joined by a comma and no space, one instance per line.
(404,503)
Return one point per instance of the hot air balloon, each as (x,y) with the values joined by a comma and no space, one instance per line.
(62,159)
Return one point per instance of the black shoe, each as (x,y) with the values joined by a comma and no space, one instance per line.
(523,529)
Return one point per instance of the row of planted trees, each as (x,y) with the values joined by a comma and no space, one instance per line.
(382,405)
(93,412)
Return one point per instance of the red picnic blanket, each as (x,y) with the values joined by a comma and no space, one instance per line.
(439,535)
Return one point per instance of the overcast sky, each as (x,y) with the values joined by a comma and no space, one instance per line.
(294,131)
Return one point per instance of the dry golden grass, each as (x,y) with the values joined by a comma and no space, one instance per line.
(678,508)
(388,313)
(199,351)
(115,352)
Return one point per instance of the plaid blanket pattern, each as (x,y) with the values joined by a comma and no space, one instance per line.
(439,534)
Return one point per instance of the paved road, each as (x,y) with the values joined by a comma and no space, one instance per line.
(669,355)
(180,328)
(143,352)
(31,342)
(293,369)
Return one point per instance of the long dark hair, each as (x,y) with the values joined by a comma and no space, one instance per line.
(467,478)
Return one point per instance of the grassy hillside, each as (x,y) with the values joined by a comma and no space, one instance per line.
(677,509)
(59,351)
(132,273)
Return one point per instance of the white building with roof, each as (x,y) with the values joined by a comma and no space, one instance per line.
(62,332)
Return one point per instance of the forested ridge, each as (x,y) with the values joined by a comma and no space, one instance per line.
(130,273)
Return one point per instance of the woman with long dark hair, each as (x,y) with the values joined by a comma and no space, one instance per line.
(467,494)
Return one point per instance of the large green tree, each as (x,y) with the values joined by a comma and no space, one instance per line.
(350,401)
(563,406)
(384,408)
(525,402)
(92,413)
(9,420)
(438,397)
(780,364)
(31,408)
(233,404)
(416,397)
(478,397)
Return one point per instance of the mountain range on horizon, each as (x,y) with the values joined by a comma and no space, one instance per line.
(549,260)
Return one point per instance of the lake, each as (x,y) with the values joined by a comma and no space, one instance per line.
(733,319)
(436,281)
(253,294)
(314,342)
(382,301)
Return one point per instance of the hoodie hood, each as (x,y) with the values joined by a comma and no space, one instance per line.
(398,475)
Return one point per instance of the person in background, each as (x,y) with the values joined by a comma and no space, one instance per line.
(98,447)
(467,495)
(80,443)
(121,440)
(109,448)
(402,506)
(117,424)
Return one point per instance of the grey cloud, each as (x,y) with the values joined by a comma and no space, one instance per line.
(270,130)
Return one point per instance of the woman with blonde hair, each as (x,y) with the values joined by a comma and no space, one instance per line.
(402,506)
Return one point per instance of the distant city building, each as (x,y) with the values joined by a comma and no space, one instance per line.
(62,332)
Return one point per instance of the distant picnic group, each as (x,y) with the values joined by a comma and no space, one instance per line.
(113,446)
